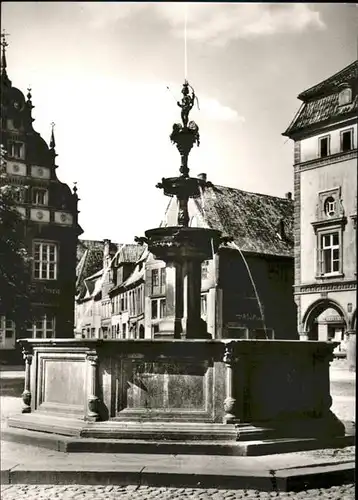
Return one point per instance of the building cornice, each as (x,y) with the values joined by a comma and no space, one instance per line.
(337,222)
(331,286)
(322,162)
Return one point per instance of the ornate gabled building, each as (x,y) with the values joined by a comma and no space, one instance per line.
(324,132)
(51,219)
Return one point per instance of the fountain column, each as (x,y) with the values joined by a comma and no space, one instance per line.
(192,298)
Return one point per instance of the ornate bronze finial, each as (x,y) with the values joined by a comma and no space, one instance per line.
(4,44)
(52,140)
(186,103)
(75,187)
(29,95)
(186,135)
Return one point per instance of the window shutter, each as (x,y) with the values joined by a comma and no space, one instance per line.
(319,261)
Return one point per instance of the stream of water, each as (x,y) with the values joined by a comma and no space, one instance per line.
(233,244)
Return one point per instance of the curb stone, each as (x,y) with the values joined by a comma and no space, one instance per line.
(280,480)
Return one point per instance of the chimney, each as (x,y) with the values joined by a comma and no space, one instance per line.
(106,253)
(288,195)
(202,177)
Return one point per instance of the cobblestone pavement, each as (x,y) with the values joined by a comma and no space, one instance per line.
(46,492)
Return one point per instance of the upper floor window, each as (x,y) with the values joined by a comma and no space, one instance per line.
(39,196)
(45,261)
(330,206)
(329,253)
(16,149)
(19,195)
(43,327)
(158,281)
(347,140)
(324,146)
(205,270)
(345,96)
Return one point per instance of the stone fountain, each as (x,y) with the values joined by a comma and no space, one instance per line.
(187,393)
(181,247)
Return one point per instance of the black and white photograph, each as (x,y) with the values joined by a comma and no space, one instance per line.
(178,250)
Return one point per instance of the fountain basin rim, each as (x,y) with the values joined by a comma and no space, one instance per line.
(175,230)
(94,342)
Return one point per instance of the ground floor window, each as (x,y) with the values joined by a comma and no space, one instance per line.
(43,327)
(7,333)
(262,334)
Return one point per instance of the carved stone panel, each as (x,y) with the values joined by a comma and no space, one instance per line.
(62,383)
(166,387)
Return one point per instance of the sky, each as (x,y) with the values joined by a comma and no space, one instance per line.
(101,71)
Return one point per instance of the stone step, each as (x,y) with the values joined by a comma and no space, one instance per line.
(190,447)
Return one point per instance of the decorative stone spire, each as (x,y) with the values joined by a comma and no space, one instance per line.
(4,44)
(52,140)
(29,101)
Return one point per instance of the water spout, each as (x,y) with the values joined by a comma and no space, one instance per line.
(254,287)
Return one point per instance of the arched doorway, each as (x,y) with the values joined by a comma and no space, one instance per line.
(325,320)
(141,332)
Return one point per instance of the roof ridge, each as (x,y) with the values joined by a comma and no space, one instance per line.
(310,90)
(251,192)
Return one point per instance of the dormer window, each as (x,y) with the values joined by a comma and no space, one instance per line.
(39,196)
(345,96)
(347,140)
(324,146)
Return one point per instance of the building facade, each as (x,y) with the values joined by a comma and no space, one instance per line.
(50,211)
(324,132)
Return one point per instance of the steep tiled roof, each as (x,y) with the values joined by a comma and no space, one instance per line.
(347,74)
(84,245)
(321,102)
(252,220)
(129,253)
(89,260)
